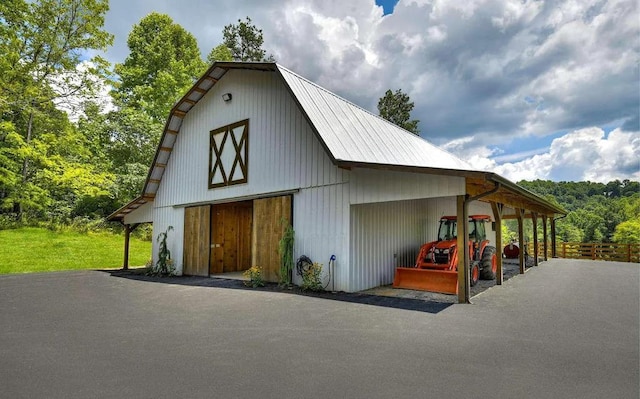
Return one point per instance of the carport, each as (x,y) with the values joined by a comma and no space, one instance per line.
(389,229)
(508,201)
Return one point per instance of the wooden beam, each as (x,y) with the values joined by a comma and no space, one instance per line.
(497,215)
(160,165)
(179,114)
(156,181)
(521,259)
(211,78)
(172,131)
(199,90)
(463,250)
(167,149)
(188,101)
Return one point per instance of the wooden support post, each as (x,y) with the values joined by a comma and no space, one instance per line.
(497,215)
(127,235)
(534,220)
(554,249)
(463,250)
(544,237)
(521,259)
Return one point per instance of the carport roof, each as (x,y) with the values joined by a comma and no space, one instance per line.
(350,135)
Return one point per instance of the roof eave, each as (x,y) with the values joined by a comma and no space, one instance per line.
(489,176)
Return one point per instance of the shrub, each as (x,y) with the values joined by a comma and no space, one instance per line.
(311,278)
(254,274)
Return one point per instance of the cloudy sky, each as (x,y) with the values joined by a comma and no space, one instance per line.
(528,89)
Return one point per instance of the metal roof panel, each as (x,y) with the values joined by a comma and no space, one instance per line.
(353,134)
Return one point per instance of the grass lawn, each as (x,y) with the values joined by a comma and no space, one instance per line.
(32,249)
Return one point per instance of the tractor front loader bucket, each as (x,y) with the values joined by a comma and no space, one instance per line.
(412,278)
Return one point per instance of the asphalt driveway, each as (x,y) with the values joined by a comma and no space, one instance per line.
(565,329)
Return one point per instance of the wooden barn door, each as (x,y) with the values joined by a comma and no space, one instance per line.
(231,237)
(271,216)
(196,240)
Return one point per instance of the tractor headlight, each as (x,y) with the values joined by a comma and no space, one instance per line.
(445,251)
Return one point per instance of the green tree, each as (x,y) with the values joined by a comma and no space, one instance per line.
(628,232)
(163,63)
(595,209)
(124,142)
(244,40)
(41,46)
(220,53)
(396,107)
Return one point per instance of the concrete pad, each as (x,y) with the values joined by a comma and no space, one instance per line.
(565,329)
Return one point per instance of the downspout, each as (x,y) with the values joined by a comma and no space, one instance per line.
(468,200)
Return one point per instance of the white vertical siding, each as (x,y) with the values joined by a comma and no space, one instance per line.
(284,153)
(321,224)
(163,217)
(383,236)
(143,214)
(368,185)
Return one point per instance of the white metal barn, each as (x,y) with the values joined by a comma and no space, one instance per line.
(252,144)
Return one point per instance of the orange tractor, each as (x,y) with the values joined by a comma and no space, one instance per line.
(436,267)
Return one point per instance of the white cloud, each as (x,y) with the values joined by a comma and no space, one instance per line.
(584,154)
(71,98)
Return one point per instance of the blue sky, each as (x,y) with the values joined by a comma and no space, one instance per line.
(525,88)
(387,5)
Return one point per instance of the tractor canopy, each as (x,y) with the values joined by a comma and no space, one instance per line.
(448,229)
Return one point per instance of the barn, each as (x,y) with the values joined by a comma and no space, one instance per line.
(252,147)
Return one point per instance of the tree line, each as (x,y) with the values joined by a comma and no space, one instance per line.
(597,212)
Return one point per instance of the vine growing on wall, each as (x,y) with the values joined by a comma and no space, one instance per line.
(285,249)
(164,266)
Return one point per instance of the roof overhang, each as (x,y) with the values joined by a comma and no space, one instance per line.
(477,183)
(123,211)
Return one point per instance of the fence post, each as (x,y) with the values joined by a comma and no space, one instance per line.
(564,250)
(629,253)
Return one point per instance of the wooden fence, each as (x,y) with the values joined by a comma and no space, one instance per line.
(594,251)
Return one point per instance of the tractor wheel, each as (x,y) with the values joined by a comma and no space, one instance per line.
(474,274)
(489,263)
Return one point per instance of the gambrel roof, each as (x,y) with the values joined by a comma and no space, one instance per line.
(350,135)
